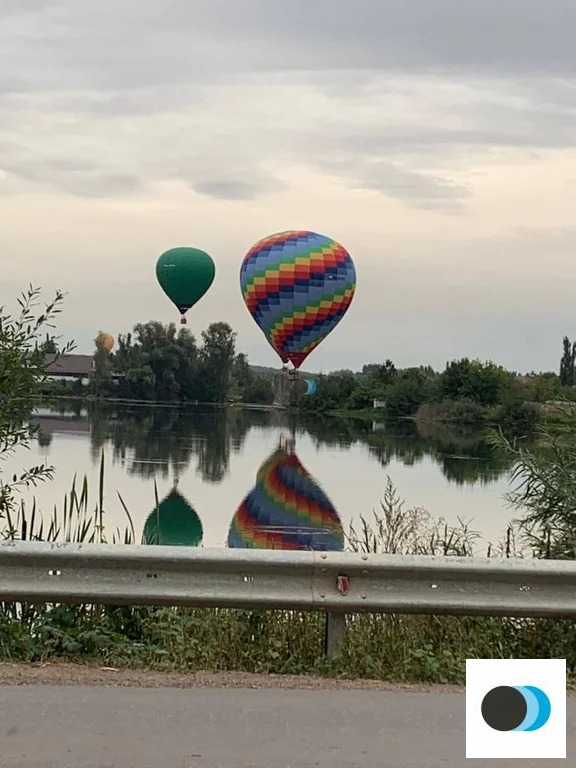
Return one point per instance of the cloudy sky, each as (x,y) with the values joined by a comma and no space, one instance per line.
(433,138)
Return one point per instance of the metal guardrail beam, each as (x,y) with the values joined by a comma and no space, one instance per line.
(334,581)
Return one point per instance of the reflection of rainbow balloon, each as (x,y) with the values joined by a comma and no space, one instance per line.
(174,523)
(286,509)
(297,286)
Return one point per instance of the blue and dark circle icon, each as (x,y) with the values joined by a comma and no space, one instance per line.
(516,708)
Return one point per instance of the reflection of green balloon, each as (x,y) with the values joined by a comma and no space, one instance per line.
(185,274)
(175,523)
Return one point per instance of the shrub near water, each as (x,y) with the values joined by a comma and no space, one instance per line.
(418,649)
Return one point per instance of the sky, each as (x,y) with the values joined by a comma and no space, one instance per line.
(434,139)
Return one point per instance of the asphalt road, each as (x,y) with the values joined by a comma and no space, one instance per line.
(96,727)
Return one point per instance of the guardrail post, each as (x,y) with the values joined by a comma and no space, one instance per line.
(334,634)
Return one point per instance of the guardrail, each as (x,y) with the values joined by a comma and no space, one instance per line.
(334,582)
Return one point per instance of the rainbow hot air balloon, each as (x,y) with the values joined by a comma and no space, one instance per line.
(286,509)
(185,274)
(174,523)
(297,286)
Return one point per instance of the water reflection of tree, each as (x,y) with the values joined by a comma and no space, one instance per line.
(160,441)
(463,455)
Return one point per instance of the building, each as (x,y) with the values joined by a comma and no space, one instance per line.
(70,366)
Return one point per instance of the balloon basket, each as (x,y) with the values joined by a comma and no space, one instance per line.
(183,321)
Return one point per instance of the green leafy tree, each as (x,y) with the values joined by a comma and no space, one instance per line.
(242,376)
(407,393)
(48,346)
(260,391)
(101,383)
(567,371)
(332,393)
(216,361)
(483,383)
(22,374)
(380,374)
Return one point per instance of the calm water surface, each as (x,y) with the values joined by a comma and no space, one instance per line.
(217,453)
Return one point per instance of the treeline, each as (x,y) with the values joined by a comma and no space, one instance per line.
(467,391)
(160,363)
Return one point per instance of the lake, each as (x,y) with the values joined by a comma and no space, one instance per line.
(216,454)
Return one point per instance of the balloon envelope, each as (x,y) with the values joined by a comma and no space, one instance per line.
(105,340)
(297,286)
(311,386)
(286,509)
(185,274)
(174,523)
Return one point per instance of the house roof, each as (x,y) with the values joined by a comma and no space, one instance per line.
(69,365)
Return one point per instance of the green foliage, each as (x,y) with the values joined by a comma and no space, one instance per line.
(467,392)
(332,393)
(379,375)
(567,370)
(460,411)
(22,375)
(518,417)
(101,383)
(159,363)
(410,389)
(250,387)
(216,358)
(483,383)
(544,480)
(540,388)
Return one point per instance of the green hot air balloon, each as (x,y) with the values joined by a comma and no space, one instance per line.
(185,274)
(174,523)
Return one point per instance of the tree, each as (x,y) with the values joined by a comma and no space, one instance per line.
(101,383)
(242,375)
(259,391)
(407,393)
(483,383)
(216,361)
(22,374)
(380,374)
(48,346)
(567,371)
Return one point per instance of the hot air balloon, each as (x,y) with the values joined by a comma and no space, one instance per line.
(174,523)
(105,340)
(185,274)
(286,509)
(297,286)
(311,386)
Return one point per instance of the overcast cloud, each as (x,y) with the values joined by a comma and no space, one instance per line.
(434,138)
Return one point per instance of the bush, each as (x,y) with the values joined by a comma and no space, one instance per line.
(462,411)
(519,418)
(404,397)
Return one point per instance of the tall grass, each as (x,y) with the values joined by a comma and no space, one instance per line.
(74,521)
(418,649)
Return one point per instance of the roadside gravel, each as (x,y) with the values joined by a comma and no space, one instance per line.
(77,674)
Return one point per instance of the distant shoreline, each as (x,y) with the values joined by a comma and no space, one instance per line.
(160,404)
